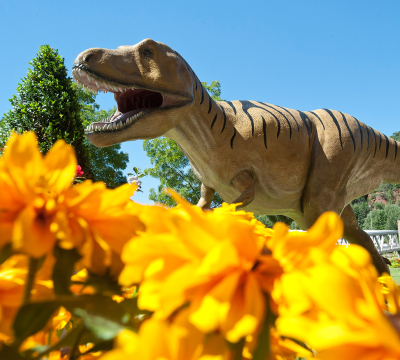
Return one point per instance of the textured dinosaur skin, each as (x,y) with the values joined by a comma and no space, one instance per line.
(273,160)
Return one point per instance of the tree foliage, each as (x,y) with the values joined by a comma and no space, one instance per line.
(52,106)
(47,104)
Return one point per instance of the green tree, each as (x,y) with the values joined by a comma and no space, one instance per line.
(47,104)
(5,131)
(360,208)
(392,213)
(214,89)
(107,163)
(396,136)
(378,220)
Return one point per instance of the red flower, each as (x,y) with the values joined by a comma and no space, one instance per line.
(79,171)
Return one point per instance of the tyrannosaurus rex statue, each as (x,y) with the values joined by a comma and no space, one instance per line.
(272,159)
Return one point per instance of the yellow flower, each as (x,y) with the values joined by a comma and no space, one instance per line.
(329,296)
(13,274)
(391,293)
(286,349)
(40,207)
(31,186)
(293,249)
(159,339)
(212,259)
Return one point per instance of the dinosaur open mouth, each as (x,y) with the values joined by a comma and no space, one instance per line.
(132,101)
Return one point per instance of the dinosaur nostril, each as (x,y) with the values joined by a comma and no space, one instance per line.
(87,58)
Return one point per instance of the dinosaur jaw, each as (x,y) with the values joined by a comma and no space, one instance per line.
(133,102)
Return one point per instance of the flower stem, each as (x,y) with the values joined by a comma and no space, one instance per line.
(263,349)
(33,266)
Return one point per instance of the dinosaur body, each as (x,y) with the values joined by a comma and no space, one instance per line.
(273,160)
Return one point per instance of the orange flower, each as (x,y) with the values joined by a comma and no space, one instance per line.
(13,274)
(40,207)
(212,259)
(159,339)
(329,296)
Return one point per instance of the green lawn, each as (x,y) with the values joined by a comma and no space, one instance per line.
(395,272)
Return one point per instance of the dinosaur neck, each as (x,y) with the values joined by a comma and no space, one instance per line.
(196,133)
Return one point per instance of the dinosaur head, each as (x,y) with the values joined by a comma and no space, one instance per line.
(151,85)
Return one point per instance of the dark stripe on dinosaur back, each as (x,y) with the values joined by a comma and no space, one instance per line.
(246,105)
(387,146)
(395,149)
(213,122)
(232,106)
(307,118)
(187,65)
(196,79)
(223,110)
(304,117)
(209,103)
(298,128)
(368,135)
(234,134)
(348,128)
(373,133)
(290,127)
(361,132)
(380,141)
(312,112)
(337,125)
(202,93)
(264,131)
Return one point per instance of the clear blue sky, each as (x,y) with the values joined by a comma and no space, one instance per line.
(342,55)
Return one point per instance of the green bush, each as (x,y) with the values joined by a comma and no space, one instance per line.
(47,104)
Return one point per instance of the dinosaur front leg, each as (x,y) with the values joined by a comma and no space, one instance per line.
(245,183)
(207,195)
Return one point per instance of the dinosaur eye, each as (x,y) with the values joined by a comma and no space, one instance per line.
(147,53)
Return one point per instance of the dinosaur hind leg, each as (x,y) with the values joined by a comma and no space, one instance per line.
(313,208)
(354,235)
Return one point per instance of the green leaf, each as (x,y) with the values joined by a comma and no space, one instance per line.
(32,318)
(63,269)
(102,316)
